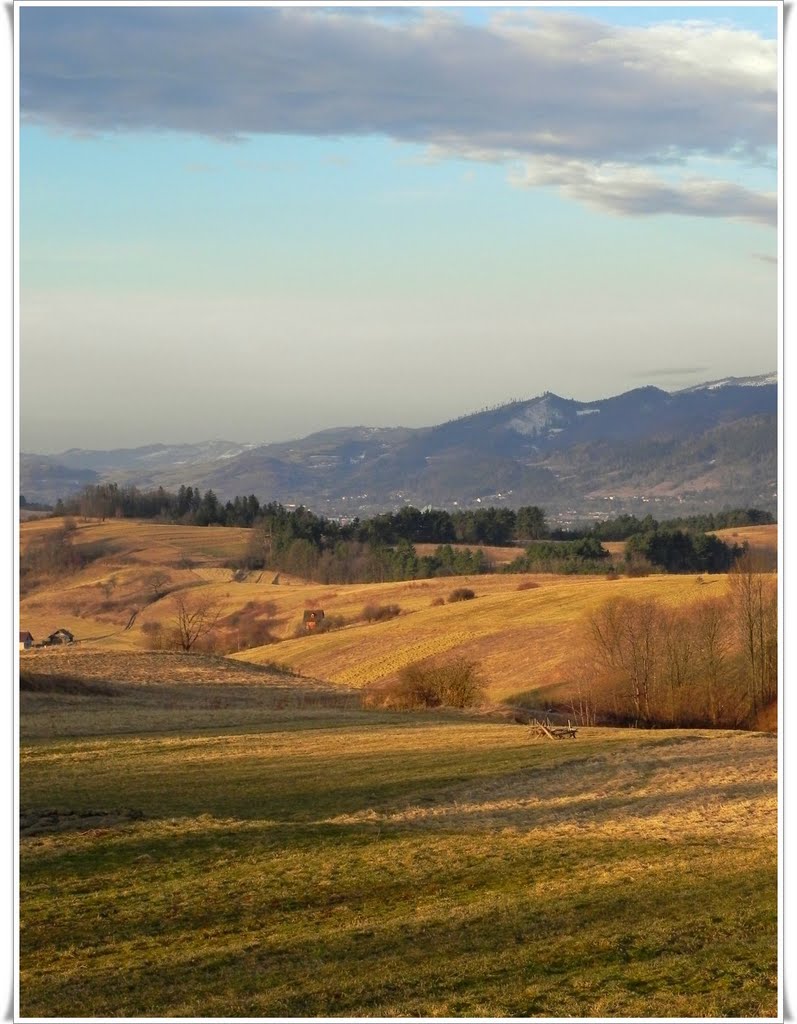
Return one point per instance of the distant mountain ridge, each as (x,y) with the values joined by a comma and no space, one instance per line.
(709,445)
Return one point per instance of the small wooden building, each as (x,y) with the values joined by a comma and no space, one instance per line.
(60,636)
(25,640)
(312,617)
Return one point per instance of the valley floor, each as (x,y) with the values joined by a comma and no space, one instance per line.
(196,843)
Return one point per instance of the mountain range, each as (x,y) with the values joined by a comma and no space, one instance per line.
(707,446)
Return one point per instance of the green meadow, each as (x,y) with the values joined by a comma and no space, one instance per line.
(234,856)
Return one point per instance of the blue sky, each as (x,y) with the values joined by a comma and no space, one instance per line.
(257,223)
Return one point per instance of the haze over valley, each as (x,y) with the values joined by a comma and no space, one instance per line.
(703,447)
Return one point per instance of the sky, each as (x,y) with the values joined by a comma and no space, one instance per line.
(253,223)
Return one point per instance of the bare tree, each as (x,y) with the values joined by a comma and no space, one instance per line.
(193,621)
(626,635)
(754,594)
(157,582)
(712,663)
(586,692)
(678,663)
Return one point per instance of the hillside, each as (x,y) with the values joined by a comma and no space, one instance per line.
(523,638)
(644,450)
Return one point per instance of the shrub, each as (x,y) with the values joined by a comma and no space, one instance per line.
(280,668)
(455,684)
(527,585)
(638,566)
(330,622)
(249,626)
(379,612)
(155,635)
(436,602)
(461,594)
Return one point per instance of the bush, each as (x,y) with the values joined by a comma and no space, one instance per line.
(280,668)
(638,566)
(156,636)
(455,684)
(436,602)
(379,612)
(247,627)
(527,585)
(330,622)
(461,594)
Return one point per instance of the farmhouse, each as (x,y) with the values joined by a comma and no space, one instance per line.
(25,641)
(311,618)
(60,636)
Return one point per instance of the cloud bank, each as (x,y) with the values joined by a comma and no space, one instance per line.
(563,90)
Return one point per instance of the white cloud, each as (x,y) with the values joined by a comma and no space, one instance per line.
(630,190)
(538,84)
(563,81)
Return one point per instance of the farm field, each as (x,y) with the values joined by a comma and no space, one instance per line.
(758,538)
(523,639)
(520,628)
(201,837)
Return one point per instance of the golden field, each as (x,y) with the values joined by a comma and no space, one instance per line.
(189,847)
(520,628)
(205,836)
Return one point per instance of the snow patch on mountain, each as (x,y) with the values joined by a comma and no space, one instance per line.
(764,380)
(539,416)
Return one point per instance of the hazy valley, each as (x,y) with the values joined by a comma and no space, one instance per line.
(702,448)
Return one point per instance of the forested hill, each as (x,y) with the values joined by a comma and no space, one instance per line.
(704,447)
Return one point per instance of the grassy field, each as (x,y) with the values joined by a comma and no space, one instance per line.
(522,638)
(521,628)
(201,838)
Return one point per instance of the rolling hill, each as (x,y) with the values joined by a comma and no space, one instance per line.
(521,628)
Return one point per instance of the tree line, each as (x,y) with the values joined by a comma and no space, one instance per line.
(381,548)
(190,506)
(713,662)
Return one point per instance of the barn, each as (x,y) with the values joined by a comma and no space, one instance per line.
(25,640)
(60,636)
(312,617)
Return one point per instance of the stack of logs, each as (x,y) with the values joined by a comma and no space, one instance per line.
(553,732)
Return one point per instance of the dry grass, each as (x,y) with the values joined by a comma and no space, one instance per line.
(77,692)
(707,786)
(205,837)
(522,637)
(758,538)
(147,541)
(316,864)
